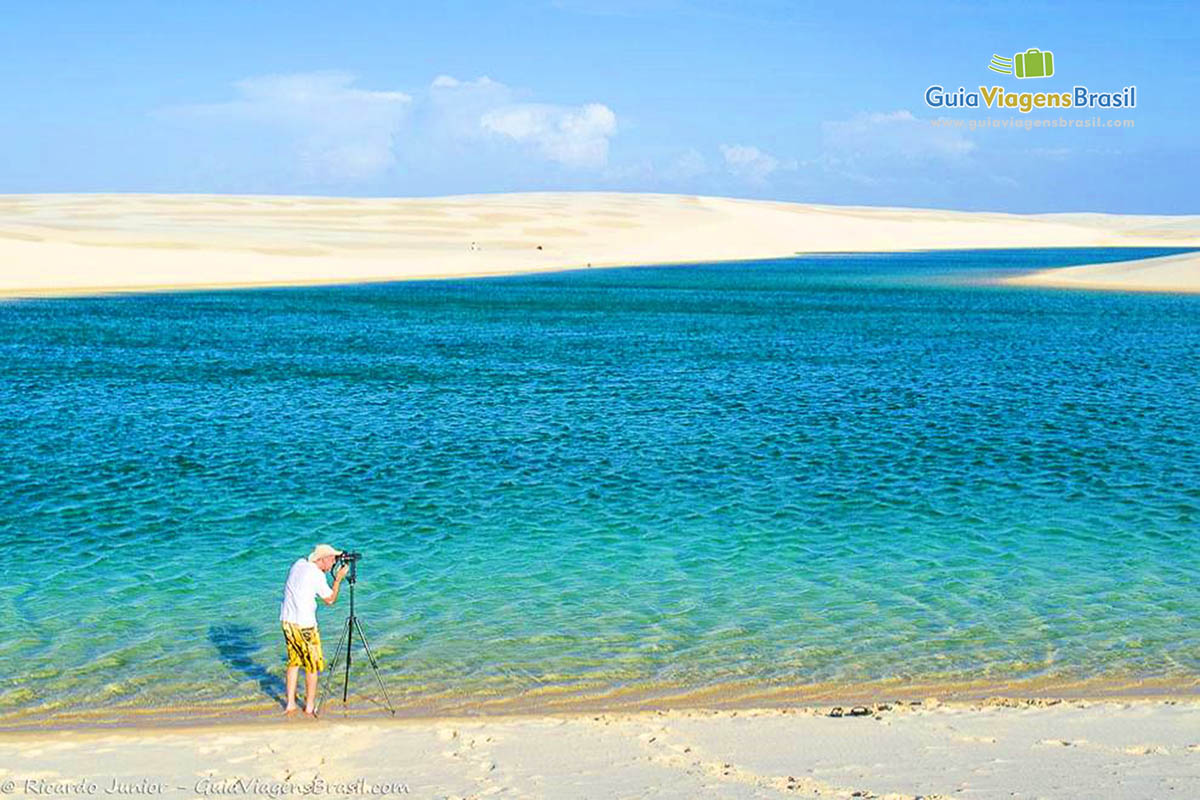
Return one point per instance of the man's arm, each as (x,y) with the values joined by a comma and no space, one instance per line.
(337,585)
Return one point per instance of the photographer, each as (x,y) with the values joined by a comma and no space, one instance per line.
(298,616)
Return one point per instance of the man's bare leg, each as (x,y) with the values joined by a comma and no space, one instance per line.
(310,691)
(292,674)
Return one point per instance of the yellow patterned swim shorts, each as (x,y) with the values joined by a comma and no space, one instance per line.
(303,647)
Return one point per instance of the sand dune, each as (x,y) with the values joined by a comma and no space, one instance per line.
(989,750)
(62,244)
(1178,273)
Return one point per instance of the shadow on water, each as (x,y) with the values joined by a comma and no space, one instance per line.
(237,645)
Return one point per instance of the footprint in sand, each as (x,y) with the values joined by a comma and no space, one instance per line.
(689,760)
(240,759)
(220,744)
(1147,749)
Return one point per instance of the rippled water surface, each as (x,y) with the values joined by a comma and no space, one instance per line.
(807,472)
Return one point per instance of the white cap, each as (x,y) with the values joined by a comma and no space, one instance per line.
(322,550)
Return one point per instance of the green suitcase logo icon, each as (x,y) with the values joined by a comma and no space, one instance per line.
(1001,64)
(1034,63)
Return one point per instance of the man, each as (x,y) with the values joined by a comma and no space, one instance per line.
(298,616)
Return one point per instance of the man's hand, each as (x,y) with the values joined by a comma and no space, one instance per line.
(337,584)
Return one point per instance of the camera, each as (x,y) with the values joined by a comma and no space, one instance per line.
(350,560)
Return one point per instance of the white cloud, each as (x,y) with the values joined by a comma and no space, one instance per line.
(482,84)
(572,136)
(335,130)
(748,162)
(320,127)
(690,164)
(888,136)
(456,108)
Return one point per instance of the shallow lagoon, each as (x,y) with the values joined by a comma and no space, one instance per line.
(645,483)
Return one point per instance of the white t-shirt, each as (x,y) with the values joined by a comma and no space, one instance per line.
(305,583)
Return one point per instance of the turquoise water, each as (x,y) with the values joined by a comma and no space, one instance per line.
(650,482)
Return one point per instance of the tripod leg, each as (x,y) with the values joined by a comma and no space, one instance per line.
(337,653)
(350,624)
(374,665)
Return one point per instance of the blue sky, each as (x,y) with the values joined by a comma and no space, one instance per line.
(794,101)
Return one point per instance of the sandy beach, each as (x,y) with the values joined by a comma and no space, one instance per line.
(71,244)
(1178,273)
(993,749)
(1094,745)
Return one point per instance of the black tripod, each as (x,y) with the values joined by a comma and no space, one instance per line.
(351,627)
